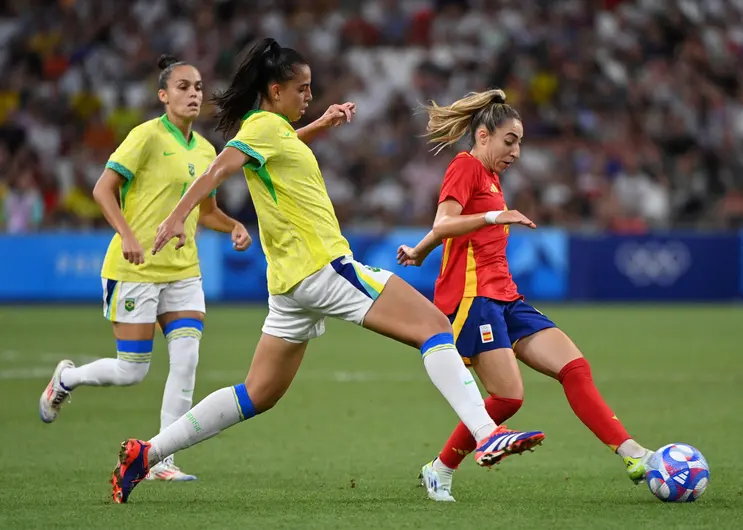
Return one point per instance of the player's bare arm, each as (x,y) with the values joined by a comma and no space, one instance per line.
(450,222)
(105,193)
(229,162)
(333,117)
(211,216)
(415,256)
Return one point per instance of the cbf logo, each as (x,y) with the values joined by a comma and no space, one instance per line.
(129,304)
(653,263)
(191,170)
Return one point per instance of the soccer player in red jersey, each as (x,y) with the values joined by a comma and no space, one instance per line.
(493,326)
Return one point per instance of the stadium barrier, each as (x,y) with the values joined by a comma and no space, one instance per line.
(548,265)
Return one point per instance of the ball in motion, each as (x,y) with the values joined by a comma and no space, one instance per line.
(677,473)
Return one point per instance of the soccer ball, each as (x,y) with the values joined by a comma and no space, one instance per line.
(677,473)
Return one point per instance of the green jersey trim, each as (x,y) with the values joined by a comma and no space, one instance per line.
(177,134)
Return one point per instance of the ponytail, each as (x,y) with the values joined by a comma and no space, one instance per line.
(265,63)
(166,63)
(447,125)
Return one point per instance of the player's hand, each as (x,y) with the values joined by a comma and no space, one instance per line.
(169,229)
(514,217)
(132,250)
(241,240)
(409,257)
(339,114)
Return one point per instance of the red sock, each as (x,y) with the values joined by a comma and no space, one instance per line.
(461,443)
(589,406)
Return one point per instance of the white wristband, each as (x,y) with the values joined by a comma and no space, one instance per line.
(490,217)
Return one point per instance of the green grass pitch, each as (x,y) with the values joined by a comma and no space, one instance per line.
(344,448)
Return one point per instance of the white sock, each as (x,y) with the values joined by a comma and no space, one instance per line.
(216,412)
(183,336)
(630,448)
(130,367)
(439,466)
(179,387)
(456,384)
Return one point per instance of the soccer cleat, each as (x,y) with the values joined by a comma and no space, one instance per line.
(54,395)
(131,469)
(437,484)
(168,471)
(503,442)
(637,468)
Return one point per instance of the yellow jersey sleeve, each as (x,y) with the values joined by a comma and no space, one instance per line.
(132,154)
(259,138)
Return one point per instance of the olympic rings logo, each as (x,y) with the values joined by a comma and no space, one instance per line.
(653,263)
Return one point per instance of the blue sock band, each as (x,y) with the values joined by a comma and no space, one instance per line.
(134,351)
(134,346)
(441,341)
(183,323)
(244,404)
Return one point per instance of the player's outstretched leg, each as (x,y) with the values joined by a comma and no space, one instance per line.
(134,350)
(551,352)
(182,330)
(274,366)
(402,313)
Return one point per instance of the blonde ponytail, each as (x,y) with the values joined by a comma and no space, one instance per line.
(447,125)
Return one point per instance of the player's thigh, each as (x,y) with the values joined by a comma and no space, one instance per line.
(131,307)
(181,299)
(373,298)
(499,373)
(524,320)
(290,321)
(547,351)
(483,342)
(272,370)
(405,315)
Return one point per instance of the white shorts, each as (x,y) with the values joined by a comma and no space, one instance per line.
(141,303)
(343,289)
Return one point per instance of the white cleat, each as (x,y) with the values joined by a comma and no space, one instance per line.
(168,471)
(437,484)
(54,395)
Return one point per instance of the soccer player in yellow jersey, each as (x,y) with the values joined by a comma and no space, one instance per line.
(142,182)
(311,272)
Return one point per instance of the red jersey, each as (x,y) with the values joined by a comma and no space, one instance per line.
(474,264)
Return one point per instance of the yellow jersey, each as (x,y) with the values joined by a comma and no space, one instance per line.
(297,224)
(159,165)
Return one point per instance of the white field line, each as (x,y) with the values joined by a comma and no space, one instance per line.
(42,365)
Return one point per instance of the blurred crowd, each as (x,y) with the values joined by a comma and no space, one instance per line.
(633,109)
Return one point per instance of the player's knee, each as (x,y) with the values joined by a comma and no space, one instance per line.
(183,336)
(435,323)
(577,368)
(264,395)
(184,361)
(264,402)
(513,389)
(134,360)
(130,373)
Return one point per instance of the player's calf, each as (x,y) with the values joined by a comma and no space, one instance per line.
(129,368)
